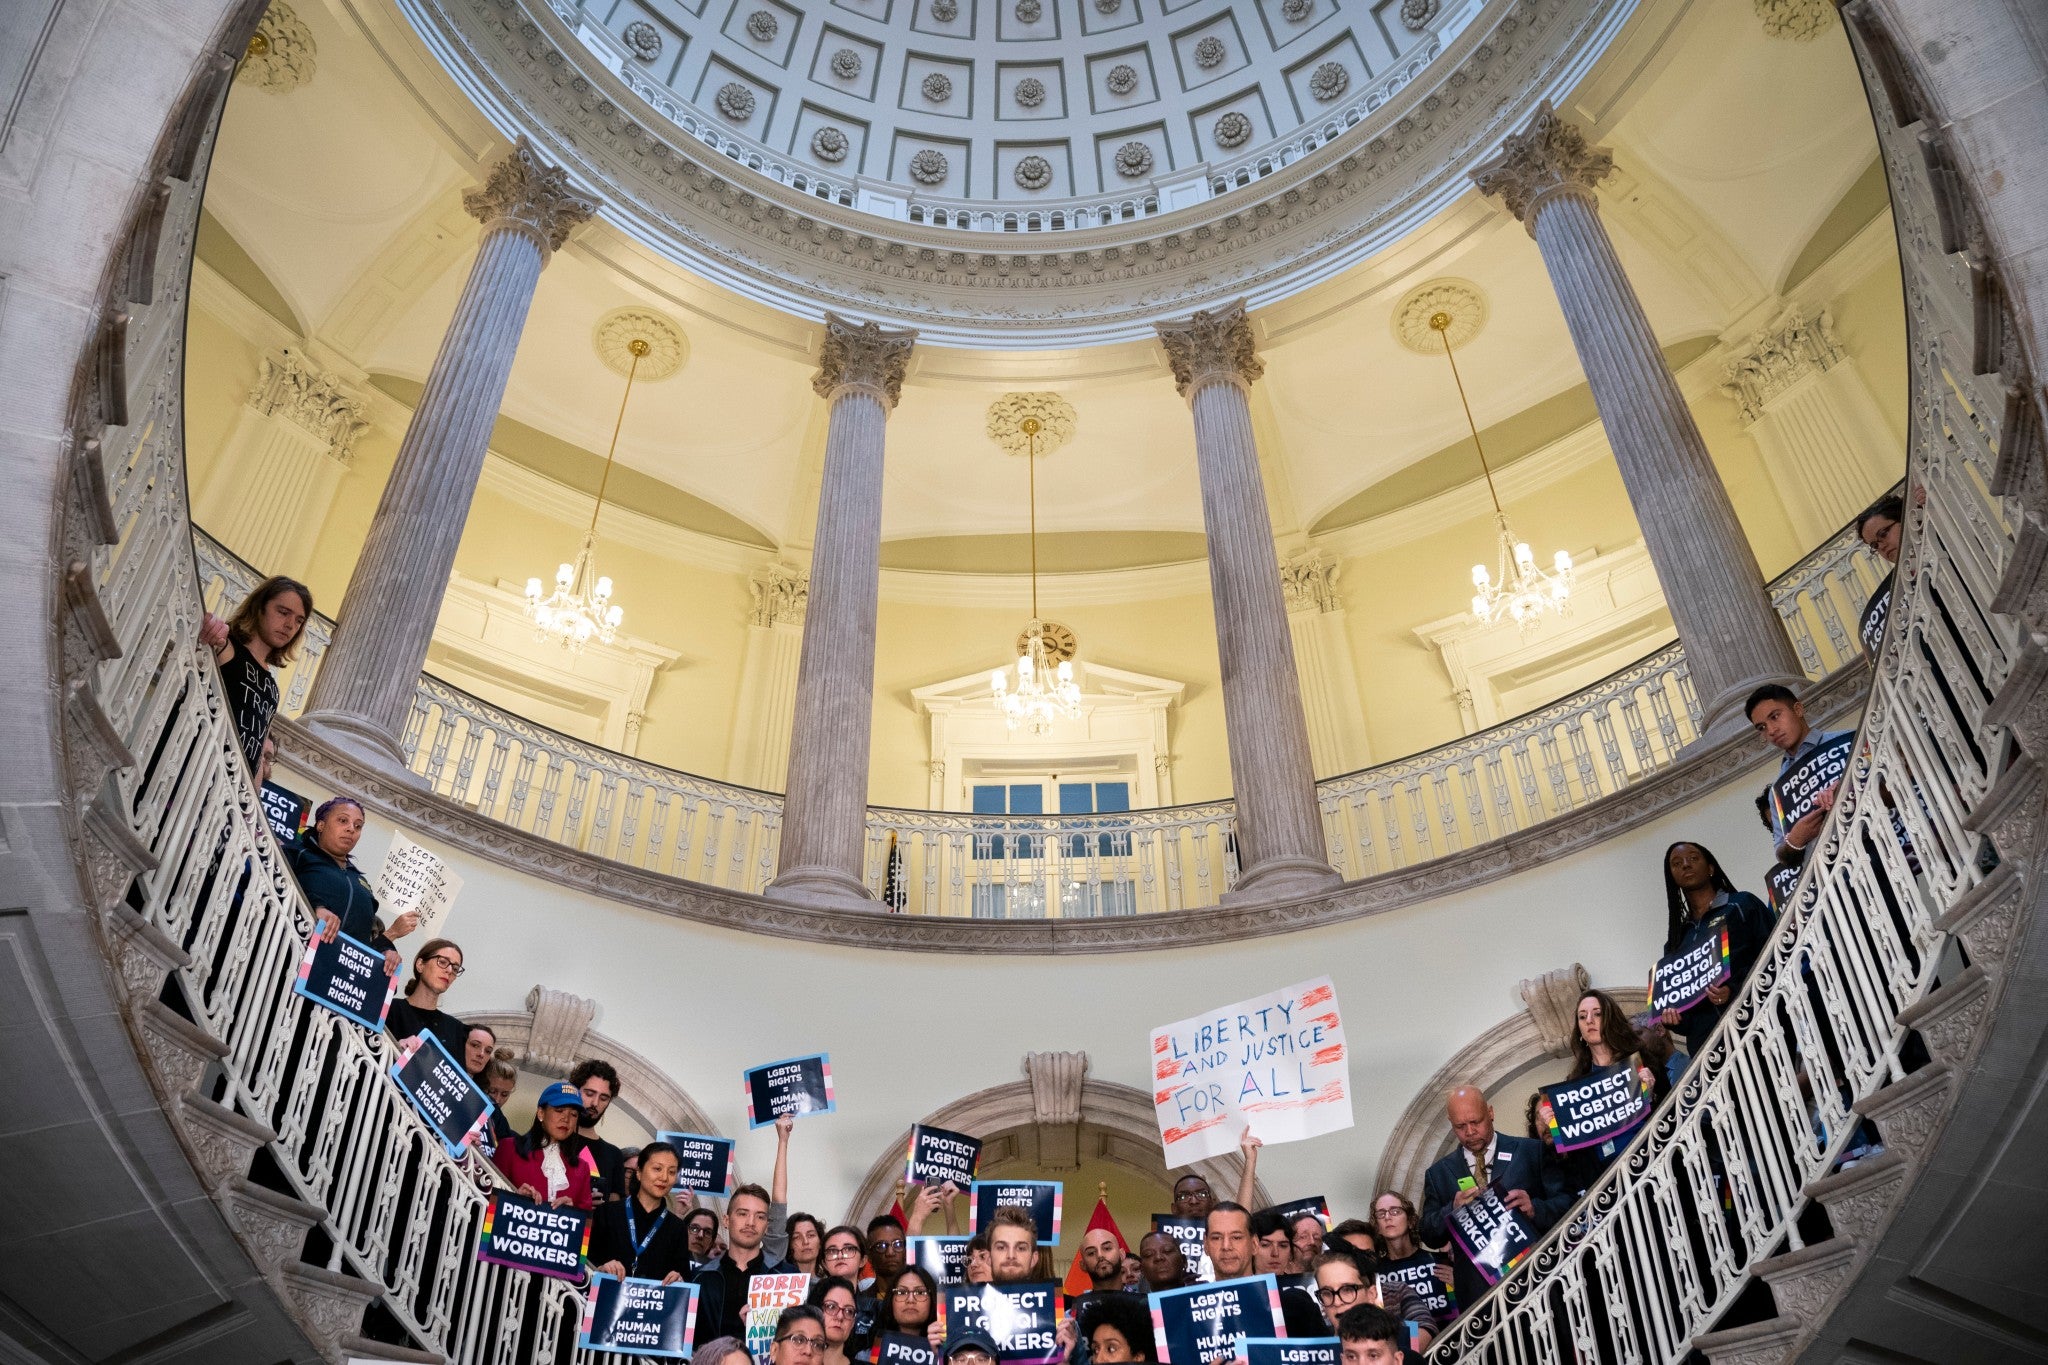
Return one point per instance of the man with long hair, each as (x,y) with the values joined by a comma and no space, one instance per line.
(261,637)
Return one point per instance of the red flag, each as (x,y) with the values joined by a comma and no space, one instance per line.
(1078,1280)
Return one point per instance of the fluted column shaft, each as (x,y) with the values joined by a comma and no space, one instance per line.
(1733,639)
(824,809)
(364,690)
(1280,845)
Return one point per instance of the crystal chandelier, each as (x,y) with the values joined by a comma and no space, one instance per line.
(581,605)
(1517,589)
(1045,690)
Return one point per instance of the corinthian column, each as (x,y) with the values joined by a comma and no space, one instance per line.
(1280,847)
(1732,637)
(824,810)
(365,686)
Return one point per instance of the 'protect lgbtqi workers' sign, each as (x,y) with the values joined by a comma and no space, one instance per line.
(1205,1324)
(1042,1198)
(937,1155)
(705,1163)
(795,1086)
(1682,980)
(1493,1236)
(639,1317)
(1023,1320)
(348,977)
(442,1091)
(1797,789)
(1275,1065)
(1596,1110)
(528,1236)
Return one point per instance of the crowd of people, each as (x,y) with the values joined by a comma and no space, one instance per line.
(1384,1285)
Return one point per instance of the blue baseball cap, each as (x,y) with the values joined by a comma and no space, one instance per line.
(561,1095)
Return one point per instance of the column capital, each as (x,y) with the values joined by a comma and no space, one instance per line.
(1309,581)
(1212,347)
(524,194)
(1547,158)
(289,385)
(1800,342)
(781,593)
(862,355)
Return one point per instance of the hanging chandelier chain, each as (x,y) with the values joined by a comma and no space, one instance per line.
(581,605)
(1031,482)
(638,348)
(1443,332)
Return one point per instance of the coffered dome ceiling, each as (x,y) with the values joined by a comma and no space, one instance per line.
(1013,173)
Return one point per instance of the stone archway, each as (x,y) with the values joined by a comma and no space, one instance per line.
(1542,1030)
(1062,1116)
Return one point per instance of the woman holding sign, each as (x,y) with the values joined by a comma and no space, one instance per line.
(1702,902)
(637,1238)
(1605,1038)
(335,887)
(910,1305)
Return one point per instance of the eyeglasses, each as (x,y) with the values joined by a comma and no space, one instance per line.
(896,1245)
(837,1310)
(454,968)
(1343,1293)
(804,1343)
(841,1253)
(970,1353)
(916,1291)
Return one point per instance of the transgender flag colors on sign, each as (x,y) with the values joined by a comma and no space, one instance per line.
(1275,1064)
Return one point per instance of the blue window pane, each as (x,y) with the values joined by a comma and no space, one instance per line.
(1076,798)
(1112,796)
(989,801)
(1027,800)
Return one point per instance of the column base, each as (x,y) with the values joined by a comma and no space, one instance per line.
(820,888)
(1722,716)
(1282,878)
(361,740)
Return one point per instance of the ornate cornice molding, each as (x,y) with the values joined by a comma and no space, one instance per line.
(1313,217)
(1546,158)
(526,195)
(1648,799)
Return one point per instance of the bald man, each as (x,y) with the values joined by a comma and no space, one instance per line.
(1534,1187)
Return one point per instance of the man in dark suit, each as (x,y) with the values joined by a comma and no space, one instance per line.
(1535,1188)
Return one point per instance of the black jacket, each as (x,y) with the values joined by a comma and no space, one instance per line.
(668,1245)
(1749,922)
(340,887)
(723,1315)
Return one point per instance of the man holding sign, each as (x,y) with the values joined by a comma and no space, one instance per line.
(1505,1177)
(1274,1066)
(1815,763)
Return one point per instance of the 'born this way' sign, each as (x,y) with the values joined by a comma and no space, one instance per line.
(1275,1065)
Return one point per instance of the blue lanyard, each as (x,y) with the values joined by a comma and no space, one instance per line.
(633,1237)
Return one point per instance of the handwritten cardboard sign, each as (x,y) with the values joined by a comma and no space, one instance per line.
(1870,626)
(943,1258)
(528,1236)
(443,1093)
(1274,1064)
(285,809)
(937,1155)
(1290,1350)
(795,1086)
(1493,1236)
(705,1163)
(639,1317)
(1597,1109)
(348,977)
(1682,980)
(1205,1324)
(1799,786)
(1022,1319)
(767,1296)
(414,879)
(1043,1198)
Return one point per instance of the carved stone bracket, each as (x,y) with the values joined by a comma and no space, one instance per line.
(179,1050)
(559,1022)
(2011,810)
(1986,916)
(222,1142)
(1056,1079)
(143,954)
(1773,1341)
(1552,1000)
(329,1305)
(113,853)
(1861,1199)
(270,1226)
(1806,1281)
(1949,1019)
(1907,1112)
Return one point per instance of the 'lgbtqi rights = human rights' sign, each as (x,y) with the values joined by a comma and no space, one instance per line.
(795,1086)
(1274,1065)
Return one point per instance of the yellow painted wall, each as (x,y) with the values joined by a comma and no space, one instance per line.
(1870,322)
(220,370)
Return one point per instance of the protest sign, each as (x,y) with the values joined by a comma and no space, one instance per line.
(1870,626)
(639,1317)
(1598,1108)
(1780,882)
(796,1086)
(1274,1064)
(413,879)
(706,1162)
(528,1236)
(1682,980)
(1493,1236)
(285,809)
(1290,1350)
(1799,786)
(937,1155)
(1294,1208)
(1204,1323)
(1418,1272)
(1022,1319)
(348,977)
(442,1091)
(767,1296)
(900,1348)
(1186,1231)
(1042,1197)
(943,1258)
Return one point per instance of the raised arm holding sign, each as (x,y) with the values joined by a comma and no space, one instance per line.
(795,1086)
